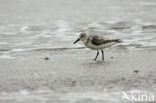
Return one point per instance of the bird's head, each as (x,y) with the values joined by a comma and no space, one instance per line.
(82,37)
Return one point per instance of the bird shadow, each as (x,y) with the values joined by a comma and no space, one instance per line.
(99,62)
(95,63)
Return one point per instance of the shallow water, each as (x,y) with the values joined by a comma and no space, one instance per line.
(30,25)
(47,96)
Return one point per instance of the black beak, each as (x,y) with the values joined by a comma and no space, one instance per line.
(76,41)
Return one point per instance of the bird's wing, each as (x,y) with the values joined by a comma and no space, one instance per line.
(98,40)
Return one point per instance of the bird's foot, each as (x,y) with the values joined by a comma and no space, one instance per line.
(95,58)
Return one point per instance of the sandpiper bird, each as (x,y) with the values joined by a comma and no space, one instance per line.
(96,42)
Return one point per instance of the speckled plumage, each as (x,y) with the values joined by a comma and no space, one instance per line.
(97,40)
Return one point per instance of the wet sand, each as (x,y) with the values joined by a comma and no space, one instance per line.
(72,74)
(74,70)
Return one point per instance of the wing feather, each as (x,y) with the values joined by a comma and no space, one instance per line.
(97,40)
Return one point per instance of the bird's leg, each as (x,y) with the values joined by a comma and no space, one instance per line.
(102,54)
(96,55)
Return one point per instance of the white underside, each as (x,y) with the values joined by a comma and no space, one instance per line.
(98,47)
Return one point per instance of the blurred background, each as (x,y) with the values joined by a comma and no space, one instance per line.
(40,64)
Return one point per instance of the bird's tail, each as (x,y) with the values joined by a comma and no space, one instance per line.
(117,40)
